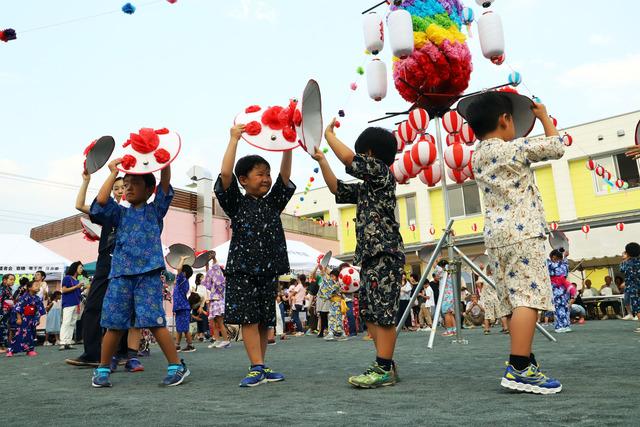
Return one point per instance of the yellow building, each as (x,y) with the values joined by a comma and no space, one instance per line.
(573,196)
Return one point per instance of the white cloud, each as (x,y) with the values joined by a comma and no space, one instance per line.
(614,74)
(254,10)
(600,39)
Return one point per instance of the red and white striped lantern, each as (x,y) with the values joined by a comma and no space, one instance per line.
(400,144)
(620,226)
(553,226)
(457,156)
(567,139)
(467,134)
(453,138)
(456,176)
(423,153)
(452,121)
(429,138)
(607,175)
(619,184)
(398,174)
(600,170)
(591,165)
(408,166)
(406,132)
(432,230)
(412,227)
(554,121)
(468,171)
(474,227)
(419,119)
(586,228)
(432,175)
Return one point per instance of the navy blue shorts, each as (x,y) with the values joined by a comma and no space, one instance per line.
(250,299)
(134,301)
(182,319)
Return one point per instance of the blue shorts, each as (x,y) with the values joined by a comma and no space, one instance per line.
(182,318)
(134,301)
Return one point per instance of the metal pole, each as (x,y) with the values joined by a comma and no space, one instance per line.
(425,276)
(490,282)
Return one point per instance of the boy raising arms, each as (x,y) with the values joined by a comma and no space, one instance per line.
(258,249)
(379,249)
(515,225)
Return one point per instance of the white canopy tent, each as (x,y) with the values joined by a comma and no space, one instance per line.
(302,257)
(20,254)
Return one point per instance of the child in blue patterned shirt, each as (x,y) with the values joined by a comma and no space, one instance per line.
(630,267)
(134,296)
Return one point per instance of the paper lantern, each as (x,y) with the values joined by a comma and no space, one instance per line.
(429,137)
(453,138)
(515,78)
(600,170)
(554,120)
(620,183)
(373,32)
(474,227)
(491,36)
(456,156)
(431,175)
(408,166)
(377,80)
(398,174)
(432,230)
(586,228)
(468,171)
(406,132)
(467,15)
(423,153)
(620,226)
(412,227)
(456,176)
(400,27)
(419,119)
(553,226)
(400,144)
(467,134)
(567,139)
(606,175)
(452,121)
(591,165)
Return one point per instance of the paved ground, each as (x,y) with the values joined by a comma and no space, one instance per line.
(452,384)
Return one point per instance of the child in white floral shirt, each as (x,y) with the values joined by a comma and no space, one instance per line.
(515,224)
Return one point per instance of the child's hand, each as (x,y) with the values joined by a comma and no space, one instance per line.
(85,176)
(318,156)
(114,163)
(330,129)
(633,152)
(540,111)
(236,131)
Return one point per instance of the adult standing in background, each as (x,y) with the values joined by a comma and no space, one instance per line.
(71,292)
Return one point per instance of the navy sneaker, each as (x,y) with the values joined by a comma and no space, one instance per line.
(114,363)
(530,380)
(271,376)
(134,365)
(176,374)
(256,376)
(101,377)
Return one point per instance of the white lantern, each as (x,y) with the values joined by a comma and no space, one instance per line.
(377,79)
(431,176)
(456,156)
(423,153)
(400,33)
(373,32)
(491,35)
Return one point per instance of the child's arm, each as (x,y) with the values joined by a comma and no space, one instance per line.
(105,191)
(82,193)
(549,148)
(229,159)
(285,166)
(165,179)
(18,319)
(328,175)
(181,263)
(344,153)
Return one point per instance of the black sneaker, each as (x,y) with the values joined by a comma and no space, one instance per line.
(188,349)
(80,361)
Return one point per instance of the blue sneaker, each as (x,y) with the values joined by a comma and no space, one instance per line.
(256,376)
(114,363)
(271,376)
(101,377)
(176,374)
(530,380)
(134,365)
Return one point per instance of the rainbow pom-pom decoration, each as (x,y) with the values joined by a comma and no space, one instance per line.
(441,62)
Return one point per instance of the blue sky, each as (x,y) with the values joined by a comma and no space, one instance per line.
(194,65)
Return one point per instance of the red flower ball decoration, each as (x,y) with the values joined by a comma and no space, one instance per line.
(145,141)
(128,161)
(162,156)
(253,128)
(252,109)
(271,118)
(89,147)
(553,226)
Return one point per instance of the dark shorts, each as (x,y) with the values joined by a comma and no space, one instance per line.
(182,319)
(134,301)
(380,288)
(250,299)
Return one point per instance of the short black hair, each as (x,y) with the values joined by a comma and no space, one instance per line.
(443,263)
(187,271)
(245,164)
(30,283)
(485,110)
(381,142)
(199,277)
(42,273)
(23,281)
(335,272)
(555,253)
(120,178)
(194,299)
(73,268)
(56,293)
(302,278)
(632,249)
(148,178)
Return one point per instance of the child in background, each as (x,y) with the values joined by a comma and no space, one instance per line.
(630,267)
(379,249)
(135,287)
(6,307)
(258,249)
(54,318)
(28,311)
(182,307)
(515,224)
(558,271)
(331,290)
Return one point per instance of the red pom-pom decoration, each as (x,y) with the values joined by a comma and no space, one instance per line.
(89,147)
(253,128)
(271,118)
(128,161)
(162,156)
(289,134)
(336,124)
(8,35)
(252,109)
(145,141)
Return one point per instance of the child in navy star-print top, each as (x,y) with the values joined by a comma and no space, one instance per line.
(258,250)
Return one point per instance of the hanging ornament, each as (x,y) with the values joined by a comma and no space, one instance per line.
(398,174)
(620,226)
(429,138)
(412,227)
(406,132)
(452,121)
(467,134)
(600,170)
(591,165)
(586,228)
(456,156)
(432,230)
(567,139)
(423,153)
(312,179)
(474,227)
(377,80)
(400,26)
(316,170)
(484,3)
(553,226)
(467,15)
(453,138)
(129,9)
(431,175)
(399,142)
(336,124)
(606,175)
(8,35)
(468,171)
(491,37)
(620,183)
(341,113)
(515,78)
(360,70)
(373,31)
(172,1)
(408,166)
(301,199)
(456,176)
(419,119)
(353,86)
(554,121)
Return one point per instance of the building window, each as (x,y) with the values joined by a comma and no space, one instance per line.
(411,209)
(464,200)
(622,167)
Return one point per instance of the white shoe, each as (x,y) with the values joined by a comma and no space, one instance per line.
(618,317)
(637,330)
(47,344)
(329,337)
(562,330)
(605,317)
(223,344)
(628,317)
(213,344)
